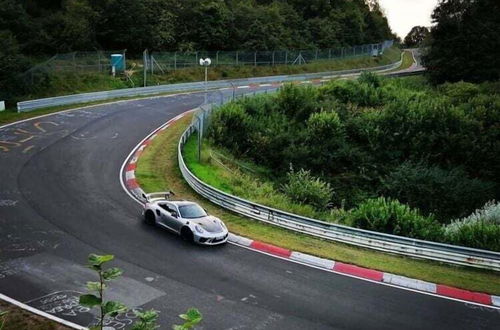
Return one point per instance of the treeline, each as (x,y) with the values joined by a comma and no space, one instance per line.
(464,43)
(50,26)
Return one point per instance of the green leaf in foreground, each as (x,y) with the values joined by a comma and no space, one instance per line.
(114,308)
(192,318)
(94,286)
(95,261)
(89,300)
(147,320)
(112,273)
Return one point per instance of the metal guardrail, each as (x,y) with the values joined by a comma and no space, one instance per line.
(144,91)
(355,236)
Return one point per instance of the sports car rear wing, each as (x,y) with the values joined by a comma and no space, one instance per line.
(156,196)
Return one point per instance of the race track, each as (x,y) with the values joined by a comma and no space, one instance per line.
(61,199)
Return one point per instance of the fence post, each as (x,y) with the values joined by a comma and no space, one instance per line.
(99,60)
(316,56)
(145,65)
(255,59)
(286,57)
(217,58)
(175,61)
(273,57)
(236,57)
(329,54)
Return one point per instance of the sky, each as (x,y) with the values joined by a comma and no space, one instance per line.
(405,14)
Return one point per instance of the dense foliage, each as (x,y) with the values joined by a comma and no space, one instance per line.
(44,26)
(302,187)
(435,149)
(390,216)
(464,43)
(480,230)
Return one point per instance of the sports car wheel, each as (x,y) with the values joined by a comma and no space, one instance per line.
(187,234)
(149,217)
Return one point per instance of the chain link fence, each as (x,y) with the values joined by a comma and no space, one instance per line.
(88,61)
(162,62)
(171,61)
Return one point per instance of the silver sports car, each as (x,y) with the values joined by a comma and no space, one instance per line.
(187,219)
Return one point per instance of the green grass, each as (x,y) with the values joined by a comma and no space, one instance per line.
(224,173)
(407,60)
(158,170)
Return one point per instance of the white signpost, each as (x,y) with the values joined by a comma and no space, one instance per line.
(2,105)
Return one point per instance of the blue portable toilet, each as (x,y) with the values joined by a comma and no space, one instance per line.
(118,61)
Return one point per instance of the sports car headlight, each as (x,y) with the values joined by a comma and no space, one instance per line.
(199,229)
(223,225)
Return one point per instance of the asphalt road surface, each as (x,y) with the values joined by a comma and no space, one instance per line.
(61,199)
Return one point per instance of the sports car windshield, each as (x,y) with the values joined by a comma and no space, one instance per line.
(192,211)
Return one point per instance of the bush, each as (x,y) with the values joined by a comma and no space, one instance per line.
(460,92)
(370,78)
(231,127)
(363,94)
(446,193)
(297,102)
(391,217)
(479,230)
(303,188)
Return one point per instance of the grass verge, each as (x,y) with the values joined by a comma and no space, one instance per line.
(158,170)
(17,318)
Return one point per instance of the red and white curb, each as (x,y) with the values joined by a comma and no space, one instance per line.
(131,186)
(370,274)
(127,173)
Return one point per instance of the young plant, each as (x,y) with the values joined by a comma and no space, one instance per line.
(96,298)
(147,320)
(191,318)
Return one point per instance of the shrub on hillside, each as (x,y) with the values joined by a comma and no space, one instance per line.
(460,92)
(297,102)
(304,188)
(371,79)
(350,91)
(446,193)
(231,127)
(392,217)
(479,230)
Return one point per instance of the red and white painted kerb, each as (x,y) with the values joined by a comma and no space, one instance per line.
(129,169)
(367,274)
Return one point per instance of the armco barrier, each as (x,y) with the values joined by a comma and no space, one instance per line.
(363,238)
(142,91)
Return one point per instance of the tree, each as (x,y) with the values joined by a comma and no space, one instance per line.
(464,43)
(416,36)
